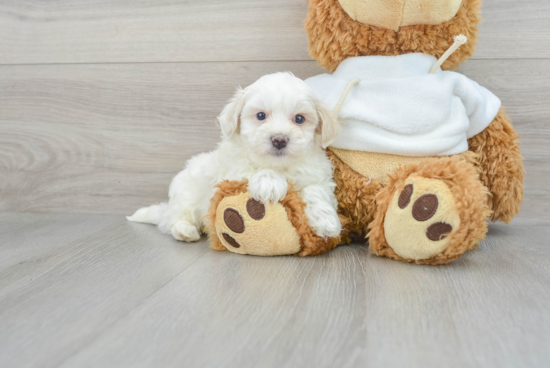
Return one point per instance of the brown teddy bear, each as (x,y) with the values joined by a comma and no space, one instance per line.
(425,156)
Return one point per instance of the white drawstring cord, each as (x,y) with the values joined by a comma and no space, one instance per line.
(459,41)
(342,99)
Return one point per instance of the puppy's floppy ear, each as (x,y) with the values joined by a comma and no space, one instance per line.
(231,114)
(328,124)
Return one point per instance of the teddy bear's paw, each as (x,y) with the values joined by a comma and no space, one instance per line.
(247,226)
(422,219)
(184,231)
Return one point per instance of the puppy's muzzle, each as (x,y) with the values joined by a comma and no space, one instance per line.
(279,141)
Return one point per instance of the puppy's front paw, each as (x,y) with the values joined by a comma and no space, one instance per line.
(268,186)
(184,231)
(324,221)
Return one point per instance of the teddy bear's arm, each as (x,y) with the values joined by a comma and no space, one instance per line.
(501,166)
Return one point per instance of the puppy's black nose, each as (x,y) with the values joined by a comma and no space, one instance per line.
(279,141)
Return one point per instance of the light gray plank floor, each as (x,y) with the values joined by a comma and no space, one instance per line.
(97,291)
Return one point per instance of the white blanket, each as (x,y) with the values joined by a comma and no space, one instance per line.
(399,108)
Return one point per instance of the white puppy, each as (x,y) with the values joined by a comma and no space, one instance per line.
(273,131)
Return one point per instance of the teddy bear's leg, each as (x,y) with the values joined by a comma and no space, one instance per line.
(356,200)
(501,166)
(430,213)
(240,224)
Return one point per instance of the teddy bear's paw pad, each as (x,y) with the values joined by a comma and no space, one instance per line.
(230,240)
(233,220)
(246,226)
(421,219)
(255,209)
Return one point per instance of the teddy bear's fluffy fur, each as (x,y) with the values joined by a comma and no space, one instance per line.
(334,36)
(486,181)
(501,168)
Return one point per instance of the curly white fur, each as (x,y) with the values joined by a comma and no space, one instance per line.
(247,152)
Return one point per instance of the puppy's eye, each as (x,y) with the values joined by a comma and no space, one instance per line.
(261,116)
(299,119)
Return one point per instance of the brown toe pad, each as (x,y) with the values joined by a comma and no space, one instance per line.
(438,231)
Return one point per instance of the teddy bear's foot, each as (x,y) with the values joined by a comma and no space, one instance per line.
(422,219)
(246,226)
(431,213)
(240,224)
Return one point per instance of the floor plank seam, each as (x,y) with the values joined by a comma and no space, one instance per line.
(128,312)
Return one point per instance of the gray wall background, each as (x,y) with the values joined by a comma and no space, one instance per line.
(103,101)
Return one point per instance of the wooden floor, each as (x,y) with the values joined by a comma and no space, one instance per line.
(102,102)
(97,291)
